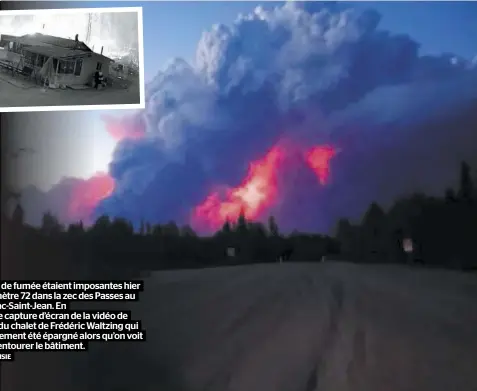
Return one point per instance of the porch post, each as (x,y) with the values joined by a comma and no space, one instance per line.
(57,67)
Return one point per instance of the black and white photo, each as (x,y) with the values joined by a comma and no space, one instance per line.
(71,59)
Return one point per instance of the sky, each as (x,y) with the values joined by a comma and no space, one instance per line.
(174,29)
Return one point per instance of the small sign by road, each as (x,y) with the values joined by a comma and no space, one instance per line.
(407,245)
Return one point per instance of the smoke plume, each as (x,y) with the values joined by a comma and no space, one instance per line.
(256,123)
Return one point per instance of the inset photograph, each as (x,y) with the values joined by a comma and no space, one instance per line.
(71,59)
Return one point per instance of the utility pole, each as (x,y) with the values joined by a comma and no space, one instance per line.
(88,30)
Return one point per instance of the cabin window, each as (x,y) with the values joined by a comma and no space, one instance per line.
(17,47)
(70,67)
(99,65)
(66,67)
(30,58)
(61,67)
(41,60)
(79,65)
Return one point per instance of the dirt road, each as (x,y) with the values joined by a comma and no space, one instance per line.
(290,327)
(300,327)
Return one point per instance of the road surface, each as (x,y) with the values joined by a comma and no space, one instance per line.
(297,327)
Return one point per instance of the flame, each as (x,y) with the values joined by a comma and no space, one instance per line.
(318,159)
(87,194)
(258,191)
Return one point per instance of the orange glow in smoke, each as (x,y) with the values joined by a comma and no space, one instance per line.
(258,191)
(318,158)
(124,127)
(87,194)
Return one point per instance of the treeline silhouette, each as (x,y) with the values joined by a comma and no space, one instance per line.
(443,231)
(114,244)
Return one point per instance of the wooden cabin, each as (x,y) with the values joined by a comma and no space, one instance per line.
(59,60)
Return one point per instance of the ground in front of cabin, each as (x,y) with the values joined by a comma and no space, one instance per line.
(19,92)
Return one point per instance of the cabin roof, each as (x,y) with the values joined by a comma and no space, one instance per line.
(63,53)
(52,51)
(7,37)
(36,39)
(56,46)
